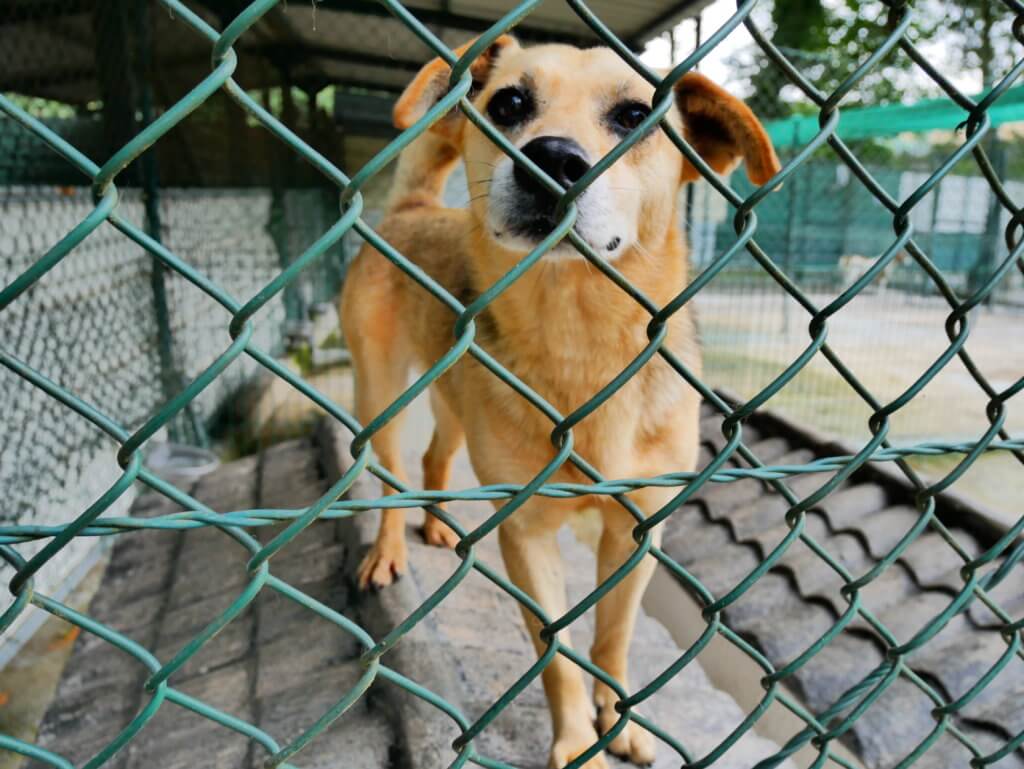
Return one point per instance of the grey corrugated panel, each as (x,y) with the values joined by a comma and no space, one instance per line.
(947,753)
(806,622)
(815,578)
(852,504)
(1008,593)
(1004,704)
(729,528)
(883,530)
(906,618)
(934,563)
(771,598)
(770,511)
(895,724)
(975,653)
(749,505)
(833,670)
(690,534)
(767,448)
(893,586)
(724,498)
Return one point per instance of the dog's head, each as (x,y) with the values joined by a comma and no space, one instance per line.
(565,108)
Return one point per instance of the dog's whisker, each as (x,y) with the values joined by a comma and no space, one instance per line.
(648,257)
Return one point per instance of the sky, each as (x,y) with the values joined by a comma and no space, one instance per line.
(715,67)
(714,16)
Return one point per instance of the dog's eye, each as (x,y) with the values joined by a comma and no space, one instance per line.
(625,117)
(510,106)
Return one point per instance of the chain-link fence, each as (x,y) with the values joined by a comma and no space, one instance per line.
(154,386)
(112,323)
(825,229)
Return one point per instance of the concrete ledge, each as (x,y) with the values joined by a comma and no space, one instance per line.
(473,646)
(424,733)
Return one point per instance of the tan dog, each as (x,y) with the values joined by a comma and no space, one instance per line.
(563,328)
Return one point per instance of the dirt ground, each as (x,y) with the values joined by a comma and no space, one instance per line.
(888,340)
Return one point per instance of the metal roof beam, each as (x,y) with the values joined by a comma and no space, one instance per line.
(455,21)
(43,10)
(298,52)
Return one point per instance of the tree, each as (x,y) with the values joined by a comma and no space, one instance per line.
(828,39)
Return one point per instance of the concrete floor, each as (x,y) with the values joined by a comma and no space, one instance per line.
(888,340)
(29,681)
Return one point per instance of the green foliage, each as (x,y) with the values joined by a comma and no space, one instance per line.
(42,108)
(827,40)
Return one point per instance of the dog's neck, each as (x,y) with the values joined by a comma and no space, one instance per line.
(571,296)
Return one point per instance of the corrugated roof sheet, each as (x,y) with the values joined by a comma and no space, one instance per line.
(727,530)
(52,46)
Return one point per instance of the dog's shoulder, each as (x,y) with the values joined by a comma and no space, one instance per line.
(432,238)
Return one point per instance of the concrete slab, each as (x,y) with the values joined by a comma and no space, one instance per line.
(276,665)
(472,647)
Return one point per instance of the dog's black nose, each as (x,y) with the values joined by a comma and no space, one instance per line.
(561,159)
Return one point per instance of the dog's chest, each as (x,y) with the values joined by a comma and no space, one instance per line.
(613,427)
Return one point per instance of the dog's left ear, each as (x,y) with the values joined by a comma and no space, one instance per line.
(431,84)
(723,130)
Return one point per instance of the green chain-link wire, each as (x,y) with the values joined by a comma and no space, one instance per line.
(822,728)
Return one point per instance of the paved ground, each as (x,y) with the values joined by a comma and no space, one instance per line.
(474,647)
(29,680)
(276,665)
(888,339)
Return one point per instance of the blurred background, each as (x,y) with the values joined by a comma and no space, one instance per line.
(825,228)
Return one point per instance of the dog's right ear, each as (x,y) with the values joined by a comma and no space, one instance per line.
(723,130)
(431,84)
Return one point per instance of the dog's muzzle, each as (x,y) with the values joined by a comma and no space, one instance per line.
(564,161)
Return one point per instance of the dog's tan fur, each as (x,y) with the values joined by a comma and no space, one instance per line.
(563,328)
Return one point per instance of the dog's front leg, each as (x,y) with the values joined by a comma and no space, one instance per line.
(616,619)
(534,563)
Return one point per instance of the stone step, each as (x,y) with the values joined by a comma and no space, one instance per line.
(473,647)
(277,665)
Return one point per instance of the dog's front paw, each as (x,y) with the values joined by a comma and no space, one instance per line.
(438,533)
(634,743)
(571,746)
(381,566)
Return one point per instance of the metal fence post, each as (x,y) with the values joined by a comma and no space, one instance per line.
(991,240)
(170,378)
(279,224)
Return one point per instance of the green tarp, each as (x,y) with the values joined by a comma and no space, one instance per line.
(867,122)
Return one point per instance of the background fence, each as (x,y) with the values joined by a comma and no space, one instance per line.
(111,323)
(124,320)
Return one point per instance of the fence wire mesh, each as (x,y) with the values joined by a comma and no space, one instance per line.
(824,228)
(130,423)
